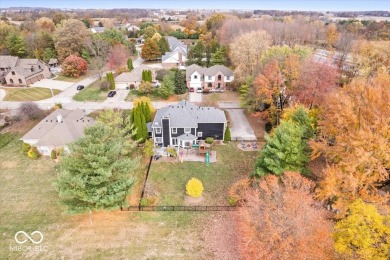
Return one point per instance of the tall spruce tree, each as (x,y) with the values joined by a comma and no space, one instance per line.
(148,115)
(180,87)
(284,151)
(98,173)
(130,66)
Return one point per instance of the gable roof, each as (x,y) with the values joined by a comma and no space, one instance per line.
(175,46)
(53,61)
(26,71)
(8,61)
(133,76)
(185,114)
(50,132)
(212,71)
(98,29)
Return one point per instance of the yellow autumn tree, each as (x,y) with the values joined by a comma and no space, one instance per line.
(144,100)
(332,35)
(354,138)
(363,234)
(194,188)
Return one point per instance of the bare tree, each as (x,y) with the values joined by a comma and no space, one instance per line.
(98,49)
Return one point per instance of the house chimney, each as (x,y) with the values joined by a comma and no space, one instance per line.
(59,118)
(32,69)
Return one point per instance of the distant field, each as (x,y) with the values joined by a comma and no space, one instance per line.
(28,94)
(361,18)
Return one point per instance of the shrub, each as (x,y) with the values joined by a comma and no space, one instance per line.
(194,188)
(25,147)
(57,106)
(148,148)
(33,153)
(30,110)
(206,90)
(144,202)
(145,87)
(132,86)
(104,85)
(209,140)
(53,154)
(237,192)
(74,66)
(227,136)
(268,127)
(171,151)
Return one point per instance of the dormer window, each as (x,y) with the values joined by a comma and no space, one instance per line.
(13,72)
(174,130)
(187,130)
(158,130)
(210,77)
(195,76)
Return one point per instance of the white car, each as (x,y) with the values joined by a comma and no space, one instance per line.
(199,90)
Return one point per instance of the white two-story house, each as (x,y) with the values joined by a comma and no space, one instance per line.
(215,78)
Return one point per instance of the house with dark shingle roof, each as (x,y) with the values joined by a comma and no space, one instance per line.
(184,124)
(22,72)
(214,78)
(57,130)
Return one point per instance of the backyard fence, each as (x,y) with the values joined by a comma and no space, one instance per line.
(179,208)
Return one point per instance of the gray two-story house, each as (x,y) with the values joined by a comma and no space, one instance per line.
(183,124)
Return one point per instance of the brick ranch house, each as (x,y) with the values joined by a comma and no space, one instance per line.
(22,72)
(214,78)
(177,56)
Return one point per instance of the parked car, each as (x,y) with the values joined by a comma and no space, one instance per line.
(111,93)
(192,90)
(199,90)
(80,87)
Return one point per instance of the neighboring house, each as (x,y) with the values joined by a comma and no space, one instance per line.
(132,28)
(97,29)
(22,72)
(183,124)
(53,63)
(57,130)
(177,56)
(134,77)
(215,78)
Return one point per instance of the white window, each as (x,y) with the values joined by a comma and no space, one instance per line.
(174,130)
(158,130)
(158,140)
(228,77)
(200,134)
(195,76)
(174,141)
(209,77)
(187,130)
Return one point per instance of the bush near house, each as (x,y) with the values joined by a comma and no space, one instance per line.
(25,147)
(227,137)
(194,188)
(53,154)
(33,153)
(209,140)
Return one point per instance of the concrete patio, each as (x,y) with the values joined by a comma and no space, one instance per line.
(190,155)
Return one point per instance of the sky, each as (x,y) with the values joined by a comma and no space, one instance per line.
(305,5)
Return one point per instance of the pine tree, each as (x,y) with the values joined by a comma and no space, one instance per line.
(98,173)
(218,58)
(284,151)
(130,64)
(137,123)
(180,87)
(164,46)
(227,136)
(148,115)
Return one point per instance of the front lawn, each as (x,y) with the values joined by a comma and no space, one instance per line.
(154,96)
(28,94)
(70,79)
(169,179)
(91,93)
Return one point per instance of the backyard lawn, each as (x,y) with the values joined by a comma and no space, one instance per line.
(29,202)
(28,94)
(91,93)
(154,96)
(169,179)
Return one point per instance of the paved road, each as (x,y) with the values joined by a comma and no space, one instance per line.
(120,96)
(240,128)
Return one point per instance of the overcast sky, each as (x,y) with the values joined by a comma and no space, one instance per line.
(306,5)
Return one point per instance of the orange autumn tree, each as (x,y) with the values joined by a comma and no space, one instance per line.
(355,139)
(281,220)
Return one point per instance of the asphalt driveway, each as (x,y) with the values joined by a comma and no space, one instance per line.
(240,128)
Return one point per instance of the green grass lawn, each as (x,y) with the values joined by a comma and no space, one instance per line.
(28,94)
(154,96)
(169,179)
(91,93)
(29,202)
(70,79)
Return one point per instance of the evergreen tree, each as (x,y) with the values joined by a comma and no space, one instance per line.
(148,115)
(167,88)
(137,123)
(98,173)
(180,87)
(111,80)
(143,75)
(130,64)
(227,136)
(164,46)
(218,58)
(16,46)
(284,151)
